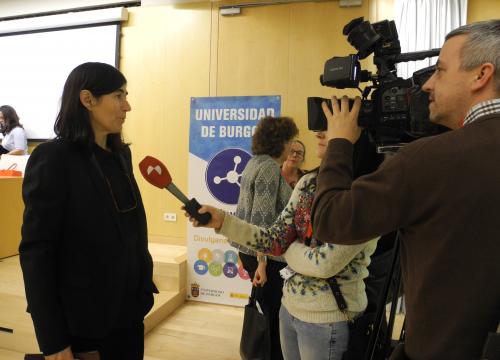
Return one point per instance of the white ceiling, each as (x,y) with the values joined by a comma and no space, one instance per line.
(10,8)
(25,7)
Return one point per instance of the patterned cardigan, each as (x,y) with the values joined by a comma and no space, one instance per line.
(264,194)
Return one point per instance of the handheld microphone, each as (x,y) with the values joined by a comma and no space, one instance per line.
(157,174)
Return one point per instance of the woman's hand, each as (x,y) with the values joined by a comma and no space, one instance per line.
(342,123)
(215,222)
(66,354)
(260,277)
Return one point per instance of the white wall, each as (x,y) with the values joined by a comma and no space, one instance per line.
(38,65)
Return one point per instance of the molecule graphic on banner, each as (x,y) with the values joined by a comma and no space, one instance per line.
(217,262)
(224,173)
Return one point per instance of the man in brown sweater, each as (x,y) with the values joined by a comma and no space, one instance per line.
(443,192)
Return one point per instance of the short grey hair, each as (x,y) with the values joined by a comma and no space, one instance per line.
(482,46)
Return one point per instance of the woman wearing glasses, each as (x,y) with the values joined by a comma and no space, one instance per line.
(291,170)
(86,266)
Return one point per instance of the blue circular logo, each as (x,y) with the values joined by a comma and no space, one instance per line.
(230,256)
(230,270)
(224,174)
(200,267)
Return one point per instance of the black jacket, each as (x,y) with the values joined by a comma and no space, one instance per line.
(72,252)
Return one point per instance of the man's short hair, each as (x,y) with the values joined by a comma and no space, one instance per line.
(482,46)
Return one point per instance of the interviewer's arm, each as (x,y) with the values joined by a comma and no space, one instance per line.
(271,240)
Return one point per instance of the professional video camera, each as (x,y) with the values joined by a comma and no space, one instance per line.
(398,109)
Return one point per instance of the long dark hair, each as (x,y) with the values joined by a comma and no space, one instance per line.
(10,117)
(73,121)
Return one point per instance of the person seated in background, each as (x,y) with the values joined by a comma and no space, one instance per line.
(291,170)
(14,140)
(312,327)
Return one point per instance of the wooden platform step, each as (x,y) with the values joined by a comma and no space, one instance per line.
(170,267)
(13,316)
(18,336)
(170,277)
(165,303)
(11,355)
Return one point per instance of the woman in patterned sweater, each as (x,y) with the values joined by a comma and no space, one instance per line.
(311,325)
(264,194)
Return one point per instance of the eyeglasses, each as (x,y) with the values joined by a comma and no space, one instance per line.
(123,208)
(299,153)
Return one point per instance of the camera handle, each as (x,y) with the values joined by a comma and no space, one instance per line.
(365,92)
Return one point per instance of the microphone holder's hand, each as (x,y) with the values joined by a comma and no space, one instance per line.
(192,207)
(215,215)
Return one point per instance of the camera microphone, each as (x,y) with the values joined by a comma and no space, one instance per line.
(157,174)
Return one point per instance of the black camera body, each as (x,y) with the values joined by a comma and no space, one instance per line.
(397,111)
(316,120)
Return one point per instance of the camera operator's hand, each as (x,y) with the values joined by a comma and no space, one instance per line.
(343,123)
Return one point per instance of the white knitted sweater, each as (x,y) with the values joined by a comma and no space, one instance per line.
(306,295)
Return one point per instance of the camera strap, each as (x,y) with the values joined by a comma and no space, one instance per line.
(339,298)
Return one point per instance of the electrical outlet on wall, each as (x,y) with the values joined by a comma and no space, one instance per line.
(170,216)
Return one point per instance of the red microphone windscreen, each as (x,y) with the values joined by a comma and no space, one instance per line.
(155,172)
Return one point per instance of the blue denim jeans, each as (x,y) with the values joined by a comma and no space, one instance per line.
(309,341)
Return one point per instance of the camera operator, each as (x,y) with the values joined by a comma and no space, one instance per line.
(443,192)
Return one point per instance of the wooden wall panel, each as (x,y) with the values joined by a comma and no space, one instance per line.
(281,50)
(478,10)
(165,55)
(171,53)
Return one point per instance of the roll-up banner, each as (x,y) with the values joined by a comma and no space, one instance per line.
(220,139)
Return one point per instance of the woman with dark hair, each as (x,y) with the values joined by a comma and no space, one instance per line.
(312,327)
(291,170)
(14,140)
(86,265)
(263,195)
